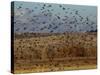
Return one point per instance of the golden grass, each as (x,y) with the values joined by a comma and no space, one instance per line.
(31,52)
(62,66)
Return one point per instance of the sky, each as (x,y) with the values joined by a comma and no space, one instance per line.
(53,18)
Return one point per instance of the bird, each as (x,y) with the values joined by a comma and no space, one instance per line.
(49,5)
(25,28)
(63,8)
(87,18)
(19,7)
(44,5)
(60,5)
(55,27)
(76,12)
(17,29)
(44,22)
(51,31)
(58,17)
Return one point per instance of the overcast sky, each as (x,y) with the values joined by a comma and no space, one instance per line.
(41,17)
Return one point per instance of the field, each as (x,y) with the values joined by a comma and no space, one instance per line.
(42,52)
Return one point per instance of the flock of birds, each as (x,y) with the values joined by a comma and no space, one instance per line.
(48,19)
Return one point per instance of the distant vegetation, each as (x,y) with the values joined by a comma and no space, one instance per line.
(55,45)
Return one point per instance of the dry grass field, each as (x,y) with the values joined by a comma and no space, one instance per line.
(54,52)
